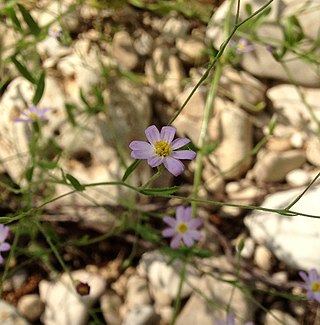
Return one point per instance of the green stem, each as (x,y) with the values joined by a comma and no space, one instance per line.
(177,303)
(154,177)
(204,131)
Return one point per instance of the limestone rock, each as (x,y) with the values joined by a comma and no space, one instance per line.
(293,239)
(10,316)
(63,303)
(31,307)
(273,166)
(235,140)
(123,50)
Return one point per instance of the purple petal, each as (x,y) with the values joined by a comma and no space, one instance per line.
(167,133)
(310,295)
(168,232)
(183,154)
(170,221)
(195,223)
(313,275)
(141,154)
(155,161)
(179,142)
(230,319)
(316,296)
(187,215)
(24,120)
(4,247)
(188,240)
(152,134)
(180,213)
(174,166)
(304,276)
(4,230)
(195,234)
(175,241)
(140,145)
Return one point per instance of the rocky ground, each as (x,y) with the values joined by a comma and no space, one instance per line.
(115,71)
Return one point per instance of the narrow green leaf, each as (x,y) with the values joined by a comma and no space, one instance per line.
(40,88)
(69,109)
(33,26)
(22,69)
(47,164)
(147,233)
(84,100)
(159,191)
(75,183)
(10,12)
(130,169)
(29,173)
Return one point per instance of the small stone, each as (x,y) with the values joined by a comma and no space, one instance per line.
(137,292)
(110,304)
(31,307)
(297,140)
(248,248)
(298,177)
(263,258)
(191,49)
(10,316)
(175,27)
(123,50)
(142,315)
(313,151)
(273,166)
(274,315)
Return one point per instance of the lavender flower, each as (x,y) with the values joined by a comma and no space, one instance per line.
(183,228)
(312,284)
(32,115)
(55,31)
(230,321)
(242,46)
(4,230)
(162,150)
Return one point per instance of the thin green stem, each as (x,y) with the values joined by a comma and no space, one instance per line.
(177,303)
(204,131)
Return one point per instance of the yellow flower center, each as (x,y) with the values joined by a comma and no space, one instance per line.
(182,228)
(33,116)
(162,148)
(315,286)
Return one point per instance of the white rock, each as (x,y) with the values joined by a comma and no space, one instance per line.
(263,258)
(190,119)
(246,91)
(143,44)
(290,108)
(235,143)
(248,248)
(137,292)
(274,315)
(10,316)
(123,50)
(302,72)
(63,303)
(110,304)
(198,311)
(142,315)
(272,166)
(166,277)
(295,240)
(165,72)
(298,177)
(313,150)
(191,49)
(175,27)
(30,306)
(297,140)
